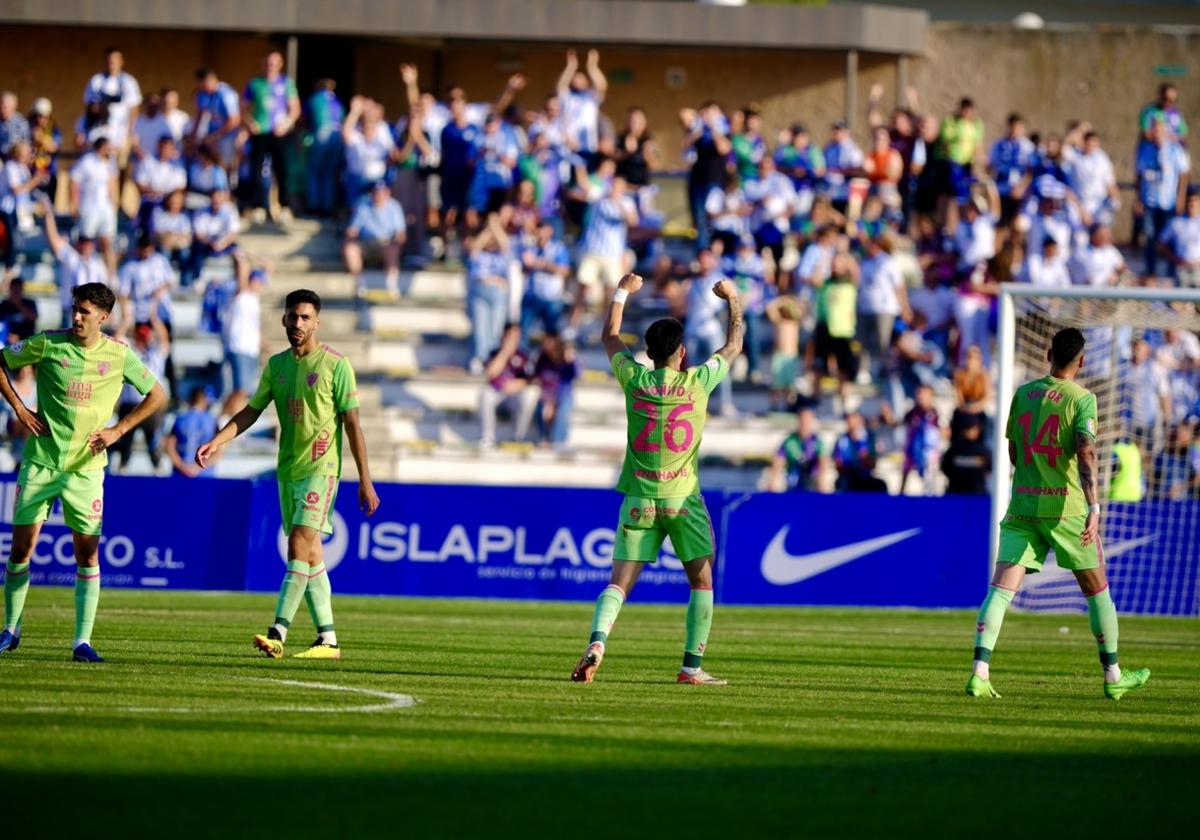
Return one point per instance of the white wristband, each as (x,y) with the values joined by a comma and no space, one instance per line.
(1094,508)
(620,295)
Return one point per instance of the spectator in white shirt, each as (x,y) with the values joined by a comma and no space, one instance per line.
(1099,263)
(214,234)
(1050,223)
(605,237)
(773,198)
(1049,268)
(704,332)
(727,209)
(158,175)
(171,227)
(16,185)
(1149,397)
(1093,181)
(77,264)
(241,335)
(120,92)
(975,236)
(94,198)
(1180,242)
(145,283)
(369,147)
(882,298)
(581,94)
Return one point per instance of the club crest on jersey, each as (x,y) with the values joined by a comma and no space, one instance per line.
(64,362)
(18,347)
(713,363)
(320,445)
(103,368)
(312,378)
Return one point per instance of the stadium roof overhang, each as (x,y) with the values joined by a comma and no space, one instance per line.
(841,26)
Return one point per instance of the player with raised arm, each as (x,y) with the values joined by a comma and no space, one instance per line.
(666,407)
(315,394)
(80,376)
(1055,505)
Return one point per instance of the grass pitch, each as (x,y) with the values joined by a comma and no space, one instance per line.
(835,721)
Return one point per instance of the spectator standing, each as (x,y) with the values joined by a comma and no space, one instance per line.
(493,177)
(801,160)
(77,264)
(1093,181)
(581,93)
(706,144)
(1047,269)
(242,337)
(157,176)
(704,330)
(785,313)
(119,93)
(854,454)
(1165,109)
(837,324)
(555,372)
(967,462)
(728,212)
(1180,242)
(801,459)
(171,228)
(46,140)
(214,234)
(152,346)
(923,440)
(369,148)
(1147,397)
(843,160)
(882,298)
(748,146)
(24,382)
(547,265)
(884,166)
(509,379)
(636,151)
(377,224)
(17,184)
(94,198)
(1099,263)
(459,143)
(1162,176)
(773,201)
(1174,475)
(18,314)
(14,128)
(605,239)
(144,287)
(488,289)
(218,119)
(193,426)
(324,114)
(960,138)
(1009,161)
(272,110)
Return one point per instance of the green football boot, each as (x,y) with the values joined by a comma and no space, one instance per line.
(1130,681)
(981,688)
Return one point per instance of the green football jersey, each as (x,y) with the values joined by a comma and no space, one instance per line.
(77,390)
(666,411)
(310,394)
(1043,420)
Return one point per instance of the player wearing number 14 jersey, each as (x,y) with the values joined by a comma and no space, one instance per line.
(666,405)
(1052,444)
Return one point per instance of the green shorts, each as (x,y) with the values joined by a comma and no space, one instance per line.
(645,523)
(784,370)
(1025,541)
(308,502)
(81,492)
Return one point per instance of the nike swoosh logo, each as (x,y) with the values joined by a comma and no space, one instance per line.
(1053,575)
(781,568)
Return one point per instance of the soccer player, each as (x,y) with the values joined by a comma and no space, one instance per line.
(315,394)
(1052,443)
(666,406)
(80,375)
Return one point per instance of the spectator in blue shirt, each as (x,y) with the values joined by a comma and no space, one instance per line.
(487,289)
(1011,157)
(854,454)
(204,175)
(493,176)
(547,265)
(1162,177)
(460,149)
(378,223)
(192,427)
(323,113)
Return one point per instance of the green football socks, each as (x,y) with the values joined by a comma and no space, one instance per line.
(987,626)
(16,587)
(291,592)
(1102,615)
(87,598)
(699,622)
(608,605)
(318,595)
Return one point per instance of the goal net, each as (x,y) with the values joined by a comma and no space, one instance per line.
(1142,361)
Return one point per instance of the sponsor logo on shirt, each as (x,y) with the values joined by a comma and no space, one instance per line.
(103,368)
(79,392)
(97,505)
(311,501)
(295,409)
(320,445)
(97,510)
(652,511)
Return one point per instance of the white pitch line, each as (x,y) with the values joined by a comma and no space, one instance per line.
(394,701)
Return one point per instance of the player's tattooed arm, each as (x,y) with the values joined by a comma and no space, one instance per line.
(1085,449)
(611,333)
(735,335)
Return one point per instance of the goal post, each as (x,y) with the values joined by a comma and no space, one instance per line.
(1151,538)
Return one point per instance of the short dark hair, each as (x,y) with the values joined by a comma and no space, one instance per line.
(145,240)
(1014,118)
(663,338)
(1066,346)
(966,102)
(299,296)
(110,50)
(97,294)
(196,395)
(203,73)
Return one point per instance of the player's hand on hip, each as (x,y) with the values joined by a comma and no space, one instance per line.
(368,499)
(630,282)
(1091,529)
(32,422)
(100,440)
(725,290)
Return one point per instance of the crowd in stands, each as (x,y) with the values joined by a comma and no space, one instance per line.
(870,275)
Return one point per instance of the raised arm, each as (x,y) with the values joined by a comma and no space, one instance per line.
(568,73)
(735,334)
(55,239)
(368,499)
(350,124)
(874,116)
(1085,450)
(596,75)
(611,334)
(408,75)
(237,425)
(515,84)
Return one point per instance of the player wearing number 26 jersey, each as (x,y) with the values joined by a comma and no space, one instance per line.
(1051,441)
(666,405)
